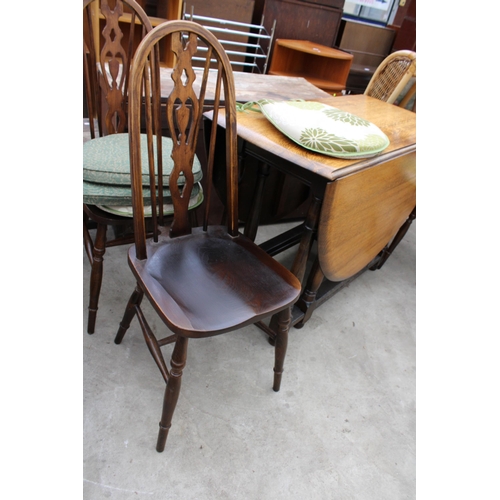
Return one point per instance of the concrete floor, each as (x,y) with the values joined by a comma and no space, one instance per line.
(342,426)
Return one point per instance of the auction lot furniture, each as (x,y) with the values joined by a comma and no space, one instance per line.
(357,207)
(200,281)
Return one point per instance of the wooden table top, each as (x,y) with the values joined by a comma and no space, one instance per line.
(398,124)
(253,86)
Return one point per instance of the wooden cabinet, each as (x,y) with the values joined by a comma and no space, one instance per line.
(300,20)
(339,4)
(369,45)
(324,67)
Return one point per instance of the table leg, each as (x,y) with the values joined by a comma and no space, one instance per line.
(300,262)
(252,223)
(387,251)
(307,300)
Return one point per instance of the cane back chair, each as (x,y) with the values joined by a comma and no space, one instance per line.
(112,29)
(201,281)
(392,76)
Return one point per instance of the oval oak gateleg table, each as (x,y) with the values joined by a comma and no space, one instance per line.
(357,205)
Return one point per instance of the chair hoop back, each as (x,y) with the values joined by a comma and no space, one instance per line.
(182,112)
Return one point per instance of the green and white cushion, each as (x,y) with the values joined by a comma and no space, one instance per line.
(106,160)
(107,194)
(168,208)
(324,129)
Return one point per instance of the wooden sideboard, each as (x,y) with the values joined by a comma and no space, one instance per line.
(369,45)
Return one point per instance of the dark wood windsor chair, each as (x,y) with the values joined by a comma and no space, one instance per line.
(112,30)
(201,281)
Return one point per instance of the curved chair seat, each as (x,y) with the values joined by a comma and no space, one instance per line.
(216,294)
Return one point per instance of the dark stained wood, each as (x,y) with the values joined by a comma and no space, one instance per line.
(201,281)
(387,251)
(406,19)
(108,48)
(369,44)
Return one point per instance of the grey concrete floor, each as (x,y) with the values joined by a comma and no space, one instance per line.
(342,426)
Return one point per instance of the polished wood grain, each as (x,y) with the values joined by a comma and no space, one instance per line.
(325,67)
(362,212)
(398,124)
(253,86)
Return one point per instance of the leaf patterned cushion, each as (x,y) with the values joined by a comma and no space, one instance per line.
(106,160)
(324,129)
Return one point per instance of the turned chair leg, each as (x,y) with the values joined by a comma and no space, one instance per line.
(130,311)
(178,362)
(96,275)
(281,344)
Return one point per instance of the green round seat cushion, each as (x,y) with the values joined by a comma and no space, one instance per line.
(106,160)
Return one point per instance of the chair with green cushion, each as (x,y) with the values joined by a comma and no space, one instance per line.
(112,29)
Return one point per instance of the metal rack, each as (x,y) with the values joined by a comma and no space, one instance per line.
(242,42)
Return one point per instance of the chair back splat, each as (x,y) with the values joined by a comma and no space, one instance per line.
(112,30)
(183,112)
(203,280)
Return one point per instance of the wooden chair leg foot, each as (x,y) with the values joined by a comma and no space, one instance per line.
(96,275)
(178,362)
(281,344)
(91,321)
(277,381)
(134,301)
(162,438)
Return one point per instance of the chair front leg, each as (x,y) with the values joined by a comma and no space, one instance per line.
(130,311)
(178,362)
(284,320)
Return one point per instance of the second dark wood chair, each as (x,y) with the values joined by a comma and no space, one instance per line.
(112,30)
(201,281)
